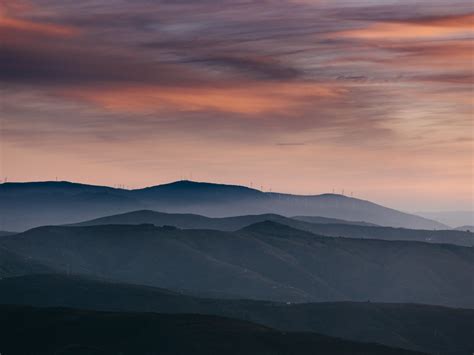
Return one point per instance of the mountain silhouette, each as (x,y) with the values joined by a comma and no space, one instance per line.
(266,260)
(320,225)
(27,205)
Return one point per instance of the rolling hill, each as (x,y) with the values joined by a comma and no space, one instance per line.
(320,225)
(69,331)
(27,205)
(263,261)
(13,264)
(429,329)
(188,220)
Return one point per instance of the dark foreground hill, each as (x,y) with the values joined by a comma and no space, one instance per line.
(263,261)
(431,329)
(318,225)
(27,205)
(27,330)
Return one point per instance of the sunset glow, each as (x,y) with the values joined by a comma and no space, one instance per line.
(374,97)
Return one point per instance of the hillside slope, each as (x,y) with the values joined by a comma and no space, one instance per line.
(263,261)
(68,331)
(429,329)
(13,264)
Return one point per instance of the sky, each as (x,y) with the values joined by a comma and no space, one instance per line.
(301,96)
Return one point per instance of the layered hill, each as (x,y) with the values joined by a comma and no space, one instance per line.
(428,329)
(190,221)
(13,264)
(319,225)
(263,261)
(27,205)
(68,331)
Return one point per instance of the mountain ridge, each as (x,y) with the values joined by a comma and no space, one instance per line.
(323,226)
(30,204)
(264,261)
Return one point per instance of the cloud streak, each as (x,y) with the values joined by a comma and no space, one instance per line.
(415,29)
(370,80)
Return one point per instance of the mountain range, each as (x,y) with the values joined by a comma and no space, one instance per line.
(228,269)
(319,225)
(28,205)
(265,260)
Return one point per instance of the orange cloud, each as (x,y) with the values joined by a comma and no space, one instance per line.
(42,28)
(425,28)
(453,55)
(251,99)
(465,20)
(10,21)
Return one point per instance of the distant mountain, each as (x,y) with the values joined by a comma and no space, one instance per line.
(5,233)
(262,261)
(398,325)
(27,205)
(190,192)
(69,331)
(320,225)
(186,220)
(450,218)
(195,221)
